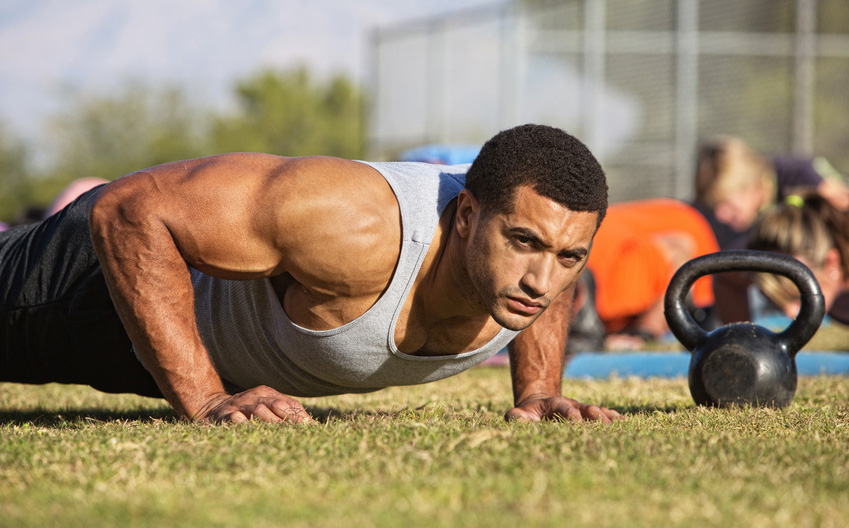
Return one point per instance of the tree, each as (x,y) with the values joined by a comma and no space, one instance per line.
(288,113)
(140,126)
(15,188)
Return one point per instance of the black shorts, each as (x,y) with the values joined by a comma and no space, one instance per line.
(57,321)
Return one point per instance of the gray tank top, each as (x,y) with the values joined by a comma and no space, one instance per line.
(253,342)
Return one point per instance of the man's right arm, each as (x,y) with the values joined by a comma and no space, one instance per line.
(132,224)
(235,216)
(151,289)
(322,221)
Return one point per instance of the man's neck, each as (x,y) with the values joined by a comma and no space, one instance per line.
(445,291)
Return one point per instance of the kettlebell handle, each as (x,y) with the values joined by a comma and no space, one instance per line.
(793,337)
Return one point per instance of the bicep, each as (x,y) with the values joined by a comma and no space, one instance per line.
(243,216)
(207,209)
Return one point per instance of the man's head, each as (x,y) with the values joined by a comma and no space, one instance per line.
(548,160)
(533,201)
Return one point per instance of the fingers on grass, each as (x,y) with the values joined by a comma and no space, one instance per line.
(572,414)
(595,413)
(235,417)
(518,415)
(262,412)
(613,415)
(291,411)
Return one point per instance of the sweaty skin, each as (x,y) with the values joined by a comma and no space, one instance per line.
(327,232)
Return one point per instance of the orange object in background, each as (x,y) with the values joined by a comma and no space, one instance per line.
(638,247)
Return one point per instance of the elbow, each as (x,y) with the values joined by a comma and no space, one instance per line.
(101,211)
(104,212)
(121,203)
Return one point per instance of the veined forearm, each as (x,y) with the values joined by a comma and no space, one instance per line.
(151,289)
(536,355)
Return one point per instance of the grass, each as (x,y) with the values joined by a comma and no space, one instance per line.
(434,455)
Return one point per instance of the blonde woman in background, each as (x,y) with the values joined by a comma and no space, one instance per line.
(808,227)
(734,184)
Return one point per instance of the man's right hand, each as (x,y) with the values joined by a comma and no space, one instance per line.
(261,403)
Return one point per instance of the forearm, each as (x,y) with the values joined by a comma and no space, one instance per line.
(151,289)
(537,354)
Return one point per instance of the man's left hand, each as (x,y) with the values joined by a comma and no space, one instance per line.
(563,408)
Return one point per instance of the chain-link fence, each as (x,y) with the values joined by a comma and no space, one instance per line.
(640,81)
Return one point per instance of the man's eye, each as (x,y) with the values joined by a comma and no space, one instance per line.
(523,241)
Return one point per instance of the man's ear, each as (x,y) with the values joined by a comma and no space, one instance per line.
(468,209)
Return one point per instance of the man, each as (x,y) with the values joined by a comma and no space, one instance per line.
(282,277)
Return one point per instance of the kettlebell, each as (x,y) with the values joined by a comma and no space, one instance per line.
(743,363)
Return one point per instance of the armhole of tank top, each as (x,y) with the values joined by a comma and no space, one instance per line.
(402,255)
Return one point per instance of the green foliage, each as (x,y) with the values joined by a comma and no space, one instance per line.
(432,455)
(14,185)
(107,136)
(289,113)
(138,126)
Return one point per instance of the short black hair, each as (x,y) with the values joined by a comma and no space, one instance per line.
(552,162)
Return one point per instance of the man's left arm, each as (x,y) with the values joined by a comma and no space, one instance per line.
(536,366)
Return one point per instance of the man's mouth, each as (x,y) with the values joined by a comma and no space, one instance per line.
(524,306)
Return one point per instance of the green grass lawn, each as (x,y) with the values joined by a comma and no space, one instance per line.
(434,455)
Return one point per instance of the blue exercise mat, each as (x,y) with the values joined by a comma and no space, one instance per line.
(439,153)
(676,364)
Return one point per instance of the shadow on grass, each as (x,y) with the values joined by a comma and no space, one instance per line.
(323,415)
(67,417)
(52,418)
(648,409)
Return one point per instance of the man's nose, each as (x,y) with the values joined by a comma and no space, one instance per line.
(539,278)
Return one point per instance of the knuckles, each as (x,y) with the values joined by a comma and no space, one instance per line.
(262,403)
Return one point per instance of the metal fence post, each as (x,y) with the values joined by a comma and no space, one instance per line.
(686,95)
(805,56)
(594,65)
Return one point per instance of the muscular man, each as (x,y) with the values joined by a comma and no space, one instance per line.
(232,284)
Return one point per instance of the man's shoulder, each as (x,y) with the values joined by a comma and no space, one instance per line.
(419,170)
(423,190)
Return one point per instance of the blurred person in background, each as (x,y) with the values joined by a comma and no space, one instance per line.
(70,193)
(35,213)
(441,154)
(635,252)
(808,227)
(734,184)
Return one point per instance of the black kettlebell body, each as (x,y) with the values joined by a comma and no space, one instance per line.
(743,363)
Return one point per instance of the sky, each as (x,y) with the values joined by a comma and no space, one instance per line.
(51,48)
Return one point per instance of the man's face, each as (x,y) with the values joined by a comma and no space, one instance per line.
(519,262)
